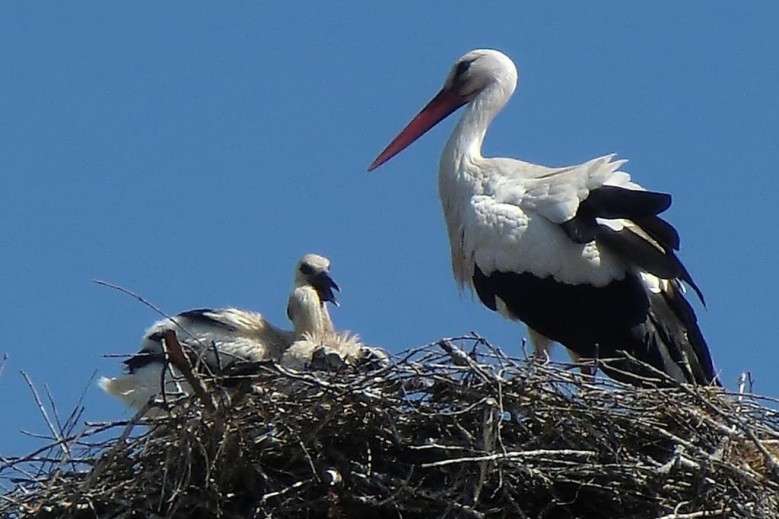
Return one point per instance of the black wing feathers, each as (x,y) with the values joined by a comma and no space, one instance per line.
(615,202)
(625,316)
(659,329)
(660,231)
(642,208)
(144,358)
(205,316)
(636,250)
(618,202)
(580,230)
(674,320)
(685,276)
(484,289)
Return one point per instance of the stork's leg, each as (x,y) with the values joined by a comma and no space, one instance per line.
(542,345)
(587,370)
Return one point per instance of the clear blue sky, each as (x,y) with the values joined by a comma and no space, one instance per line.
(193,151)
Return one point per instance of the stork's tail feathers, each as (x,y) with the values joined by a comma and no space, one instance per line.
(128,389)
(683,329)
(114,386)
(671,343)
(138,387)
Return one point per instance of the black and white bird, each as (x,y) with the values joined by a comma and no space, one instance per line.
(578,253)
(216,339)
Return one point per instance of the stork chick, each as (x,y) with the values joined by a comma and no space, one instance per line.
(215,339)
(317,344)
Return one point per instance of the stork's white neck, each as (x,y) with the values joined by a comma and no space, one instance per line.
(463,172)
(462,153)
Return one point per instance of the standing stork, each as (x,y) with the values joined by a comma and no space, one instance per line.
(215,339)
(579,253)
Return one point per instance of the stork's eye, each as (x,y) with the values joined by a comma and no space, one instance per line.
(306,269)
(462,68)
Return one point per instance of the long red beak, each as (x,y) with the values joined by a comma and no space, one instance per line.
(438,109)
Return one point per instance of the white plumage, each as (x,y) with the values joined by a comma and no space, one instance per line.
(215,339)
(336,349)
(578,253)
(316,338)
(512,214)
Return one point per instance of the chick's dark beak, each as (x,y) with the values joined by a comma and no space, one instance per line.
(324,286)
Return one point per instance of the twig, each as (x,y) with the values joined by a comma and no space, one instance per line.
(181,361)
(540,453)
(54,431)
(469,432)
(145,302)
(696,515)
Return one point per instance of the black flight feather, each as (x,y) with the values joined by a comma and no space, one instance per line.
(612,202)
(618,202)
(205,316)
(637,251)
(660,231)
(606,322)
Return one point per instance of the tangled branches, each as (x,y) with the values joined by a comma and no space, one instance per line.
(453,429)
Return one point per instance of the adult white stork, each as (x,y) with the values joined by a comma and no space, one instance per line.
(579,253)
(216,339)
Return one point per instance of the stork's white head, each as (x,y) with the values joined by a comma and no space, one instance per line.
(470,75)
(475,70)
(314,270)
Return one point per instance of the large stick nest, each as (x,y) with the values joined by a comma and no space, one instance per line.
(454,429)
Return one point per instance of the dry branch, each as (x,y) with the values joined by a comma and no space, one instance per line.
(453,429)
